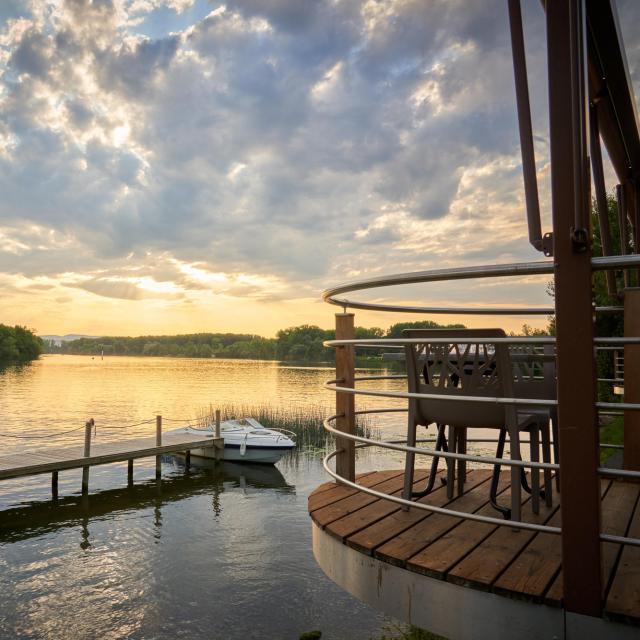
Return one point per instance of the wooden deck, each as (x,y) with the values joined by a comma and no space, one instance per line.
(50,460)
(517,564)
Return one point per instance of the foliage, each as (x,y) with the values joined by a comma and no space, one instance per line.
(395,330)
(612,433)
(18,344)
(606,324)
(410,632)
(303,343)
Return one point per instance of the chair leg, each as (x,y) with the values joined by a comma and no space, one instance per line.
(546,457)
(441,444)
(409,460)
(556,447)
(462,464)
(535,473)
(451,463)
(516,474)
(495,478)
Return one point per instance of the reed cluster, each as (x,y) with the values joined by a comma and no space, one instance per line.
(306,422)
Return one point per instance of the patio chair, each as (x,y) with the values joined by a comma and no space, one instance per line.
(463,367)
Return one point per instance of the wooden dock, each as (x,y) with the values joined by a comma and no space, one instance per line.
(48,460)
(524,565)
(55,459)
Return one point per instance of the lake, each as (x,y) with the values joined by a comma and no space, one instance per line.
(223,551)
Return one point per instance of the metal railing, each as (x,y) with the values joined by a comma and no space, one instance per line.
(440,275)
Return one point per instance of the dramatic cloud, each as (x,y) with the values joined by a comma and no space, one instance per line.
(199,154)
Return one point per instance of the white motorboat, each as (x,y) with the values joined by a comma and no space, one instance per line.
(245,440)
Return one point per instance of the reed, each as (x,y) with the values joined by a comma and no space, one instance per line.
(305,422)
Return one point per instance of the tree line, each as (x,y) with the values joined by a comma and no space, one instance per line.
(302,343)
(18,344)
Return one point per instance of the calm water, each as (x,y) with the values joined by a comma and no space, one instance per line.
(220,552)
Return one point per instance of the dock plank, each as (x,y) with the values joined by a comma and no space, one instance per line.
(63,458)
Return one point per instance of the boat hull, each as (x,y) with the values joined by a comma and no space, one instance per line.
(254,455)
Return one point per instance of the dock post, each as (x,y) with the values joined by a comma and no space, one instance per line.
(631,455)
(345,402)
(54,485)
(187,459)
(216,452)
(130,472)
(87,452)
(158,444)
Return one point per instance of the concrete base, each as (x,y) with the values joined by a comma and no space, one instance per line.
(453,611)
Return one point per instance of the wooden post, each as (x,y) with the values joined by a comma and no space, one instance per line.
(345,402)
(217,452)
(54,485)
(576,373)
(187,459)
(631,458)
(130,472)
(88,427)
(158,444)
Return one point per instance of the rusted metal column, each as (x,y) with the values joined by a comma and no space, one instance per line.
(577,417)
(601,195)
(345,402)
(524,121)
(631,458)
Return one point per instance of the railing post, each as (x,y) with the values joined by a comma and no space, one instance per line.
(576,381)
(158,444)
(88,427)
(345,402)
(631,457)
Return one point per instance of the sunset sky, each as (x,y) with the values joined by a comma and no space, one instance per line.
(174,166)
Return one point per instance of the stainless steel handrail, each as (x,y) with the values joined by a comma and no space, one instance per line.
(545,267)
(527,464)
(520,402)
(441,510)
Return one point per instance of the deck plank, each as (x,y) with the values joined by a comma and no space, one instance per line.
(457,543)
(413,540)
(624,596)
(535,568)
(389,527)
(341,491)
(376,510)
(336,510)
(485,563)
(516,564)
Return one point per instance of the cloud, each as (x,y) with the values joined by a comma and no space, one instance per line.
(293,141)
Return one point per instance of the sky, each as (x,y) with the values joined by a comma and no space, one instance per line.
(177,166)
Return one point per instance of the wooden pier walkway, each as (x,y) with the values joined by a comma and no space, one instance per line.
(55,459)
(48,460)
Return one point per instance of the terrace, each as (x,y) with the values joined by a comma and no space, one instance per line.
(566,564)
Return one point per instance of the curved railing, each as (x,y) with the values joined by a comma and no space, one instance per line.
(440,275)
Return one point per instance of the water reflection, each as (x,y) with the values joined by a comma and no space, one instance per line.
(207,477)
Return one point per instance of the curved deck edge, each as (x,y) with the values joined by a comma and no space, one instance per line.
(454,611)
